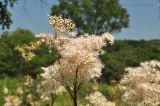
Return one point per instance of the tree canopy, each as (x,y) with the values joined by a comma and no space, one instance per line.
(12,63)
(5,14)
(127,53)
(93,16)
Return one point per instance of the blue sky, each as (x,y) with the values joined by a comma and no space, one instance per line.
(144,18)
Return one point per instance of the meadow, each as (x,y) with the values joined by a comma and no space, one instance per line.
(67,69)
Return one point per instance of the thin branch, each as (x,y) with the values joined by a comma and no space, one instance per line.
(70,91)
(79,86)
(76,79)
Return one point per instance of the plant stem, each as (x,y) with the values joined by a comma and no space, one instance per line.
(52,100)
(75,99)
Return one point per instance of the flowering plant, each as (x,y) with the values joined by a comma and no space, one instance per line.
(97,99)
(77,57)
(141,84)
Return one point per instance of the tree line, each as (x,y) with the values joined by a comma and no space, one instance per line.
(124,53)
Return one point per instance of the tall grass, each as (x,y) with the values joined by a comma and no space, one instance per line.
(63,100)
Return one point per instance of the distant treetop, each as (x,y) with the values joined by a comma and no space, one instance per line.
(93,16)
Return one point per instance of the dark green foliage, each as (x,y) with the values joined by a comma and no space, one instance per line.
(127,53)
(11,61)
(93,16)
(5,15)
(42,58)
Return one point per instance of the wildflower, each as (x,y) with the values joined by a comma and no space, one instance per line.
(44,97)
(39,88)
(19,90)
(77,57)
(78,60)
(81,53)
(72,34)
(34,103)
(29,97)
(97,99)
(53,87)
(141,84)
(29,81)
(12,101)
(61,25)
(5,90)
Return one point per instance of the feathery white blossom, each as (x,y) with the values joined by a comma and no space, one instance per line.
(77,57)
(53,86)
(12,101)
(79,54)
(97,99)
(77,60)
(141,84)
(61,25)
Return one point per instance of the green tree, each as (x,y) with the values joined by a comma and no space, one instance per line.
(5,14)
(127,53)
(93,16)
(11,61)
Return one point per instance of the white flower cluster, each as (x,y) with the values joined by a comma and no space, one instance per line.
(53,86)
(141,85)
(92,44)
(77,60)
(12,101)
(97,99)
(29,81)
(61,25)
(77,57)
(79,54)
